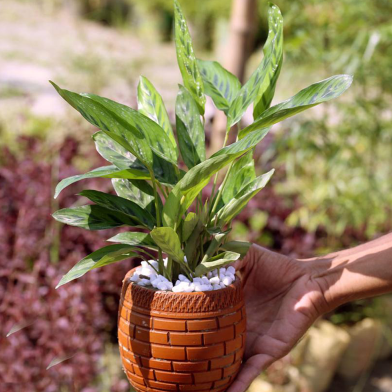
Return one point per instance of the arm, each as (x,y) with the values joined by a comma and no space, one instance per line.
(360,272)
(285,296)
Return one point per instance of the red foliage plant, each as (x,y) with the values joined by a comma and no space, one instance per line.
(71,322)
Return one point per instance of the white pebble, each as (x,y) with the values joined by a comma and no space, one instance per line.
(222,271)
(215,280)
(227,281)
(231,270)
(216,287)
(177,289)
(134,277)
(231,276)
(162,286)
(183,278)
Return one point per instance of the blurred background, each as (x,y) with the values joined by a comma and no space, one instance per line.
(332,188)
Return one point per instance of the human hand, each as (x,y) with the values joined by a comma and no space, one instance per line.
(283,298)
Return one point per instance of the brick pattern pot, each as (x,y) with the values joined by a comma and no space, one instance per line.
(181,341)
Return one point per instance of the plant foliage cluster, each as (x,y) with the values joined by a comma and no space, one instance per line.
(153,191)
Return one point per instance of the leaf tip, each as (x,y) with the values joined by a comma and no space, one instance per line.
(59,284)
(54,85)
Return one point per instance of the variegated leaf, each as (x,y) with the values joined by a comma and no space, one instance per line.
(150,104)
(247,94)
(218,261)
(241,173)
(140,192)
(101,257)
(186,59)
(240,200)
(273,50)
(155,136)
(121,205)
(134,239)
(101,172)
(93,217)
(221,85)
(310,96)
(111,122)
(190,130)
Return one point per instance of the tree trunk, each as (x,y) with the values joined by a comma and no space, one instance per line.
(239,47)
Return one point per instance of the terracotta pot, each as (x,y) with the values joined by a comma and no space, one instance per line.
(181,341)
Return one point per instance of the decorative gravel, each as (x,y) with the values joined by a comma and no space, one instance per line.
(147,275)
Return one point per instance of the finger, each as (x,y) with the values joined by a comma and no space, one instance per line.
(249,257)
(249,371)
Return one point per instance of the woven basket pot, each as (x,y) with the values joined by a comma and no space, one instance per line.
(181,341)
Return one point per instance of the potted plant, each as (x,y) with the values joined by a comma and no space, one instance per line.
(182,319)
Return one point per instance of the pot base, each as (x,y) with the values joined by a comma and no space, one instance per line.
(181,341)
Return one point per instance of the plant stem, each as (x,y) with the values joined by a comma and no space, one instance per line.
(216,175)
(160,261)
(221,189)
(162,190)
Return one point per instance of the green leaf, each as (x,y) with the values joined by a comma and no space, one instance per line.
(111,122)
(218,261)
(92,217)
(167,239)
(214,244)
(189,225)
(114,152)
(140,192)
(134,239)
(186,59)
(221,85)
(240,247)
(235,206)
(101,257)
(247,94)
(101,172)
(311,96)
(119,204)
(150,104)
(273,50)
(183,194)
(243,145)
(156,137)
(242,172)
(190,130)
